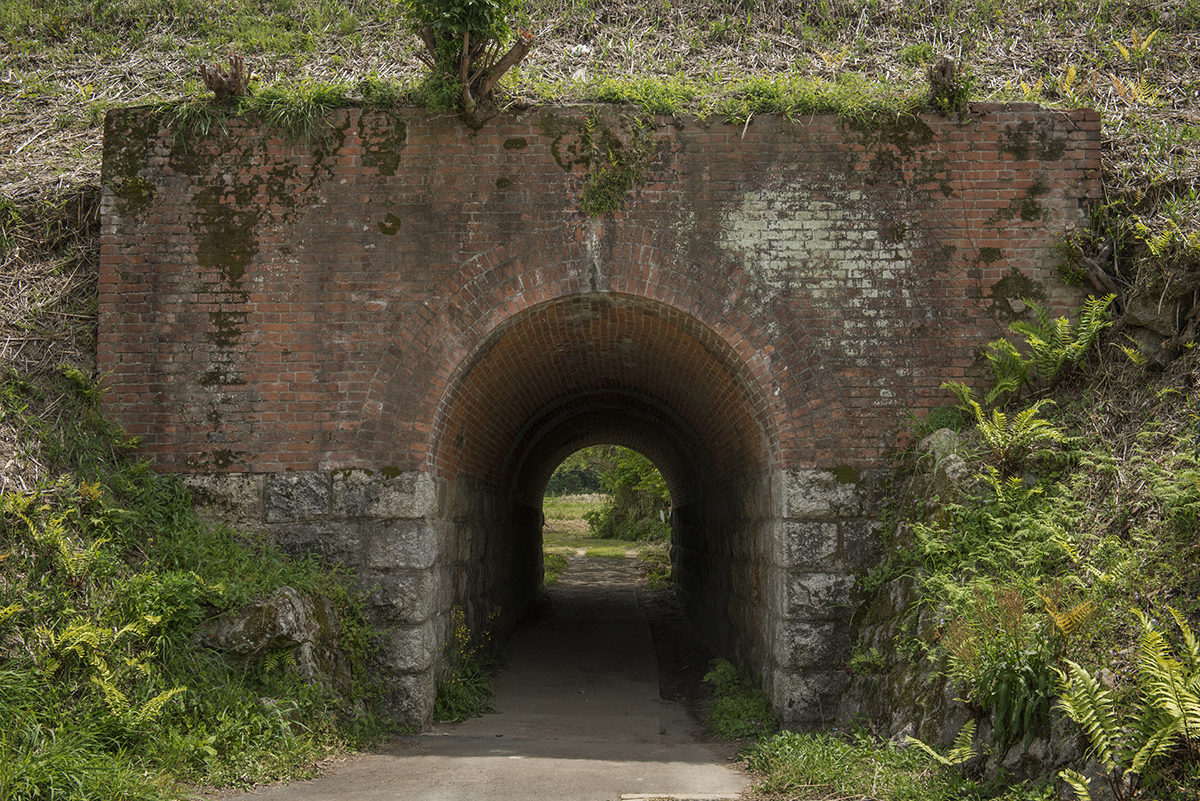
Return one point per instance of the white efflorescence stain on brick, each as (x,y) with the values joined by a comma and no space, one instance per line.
(815,242)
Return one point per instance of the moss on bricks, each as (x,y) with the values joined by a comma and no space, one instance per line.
(384,136)
(126,148)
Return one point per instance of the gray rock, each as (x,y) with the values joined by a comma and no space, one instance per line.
(806,544)
(861,542)
(298,496)
(406,598)
(807,700)
(812,644)
(305,627)
(940,444)
(819,595)
(410,649)
(817,495)
(361,493)
(408,698)
(400,545)
(234,499)
(336,542)
(1161,318)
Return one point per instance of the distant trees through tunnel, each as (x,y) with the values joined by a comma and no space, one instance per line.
(633,503)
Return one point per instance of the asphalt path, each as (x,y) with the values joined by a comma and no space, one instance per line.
(579,718)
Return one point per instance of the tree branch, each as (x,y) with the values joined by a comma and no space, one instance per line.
(464,70)
(513,57)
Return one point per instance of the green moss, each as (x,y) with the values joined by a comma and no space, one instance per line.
(1022,141)
(1014,286)
(990,255)
(390,225)
(227,328)
(845,475)
(556,129)
(390,471)
(614,167)
(384,136)
(225,229)
(225,458)
(516,143)
(503,183)
(127,138)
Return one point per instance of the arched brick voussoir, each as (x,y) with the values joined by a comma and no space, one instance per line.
(764,338)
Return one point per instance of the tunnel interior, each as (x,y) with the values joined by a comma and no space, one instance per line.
(610,369)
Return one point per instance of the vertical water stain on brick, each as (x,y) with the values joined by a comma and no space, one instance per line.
(126,148)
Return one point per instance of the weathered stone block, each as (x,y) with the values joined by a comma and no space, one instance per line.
(408,698)
(297,496)
(817,495)
(410,649)
(400,545)
(334,541)
(362,493)
(234,499)
(861,543)
(812,643)
(819,595)
(807,700)
(806,544)
(408,598)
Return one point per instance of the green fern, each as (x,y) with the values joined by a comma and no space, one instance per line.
(1166,716)
(1009,438)
(1094,709)
(1052,343)
(963,749)
(1078,782)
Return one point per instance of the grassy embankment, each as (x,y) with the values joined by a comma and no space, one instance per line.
(1106,526)
(567,533)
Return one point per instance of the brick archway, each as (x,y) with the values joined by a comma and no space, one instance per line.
(375,347)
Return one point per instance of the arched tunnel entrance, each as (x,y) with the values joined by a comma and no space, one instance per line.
(614,369)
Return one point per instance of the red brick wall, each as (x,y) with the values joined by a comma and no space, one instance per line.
(408,292)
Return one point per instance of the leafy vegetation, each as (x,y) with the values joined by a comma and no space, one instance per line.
(1164,717)
(106,575)
(740,710)
(464,683)
(634,504)
(1048,572)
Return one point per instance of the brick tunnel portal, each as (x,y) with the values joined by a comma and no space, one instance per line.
(375,348)
(616,369)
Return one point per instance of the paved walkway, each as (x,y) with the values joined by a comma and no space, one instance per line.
(579,719)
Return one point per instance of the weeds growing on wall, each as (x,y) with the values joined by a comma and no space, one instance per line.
(105,576)
(1132,740)
(740,710)
(464,683)
(1041,578)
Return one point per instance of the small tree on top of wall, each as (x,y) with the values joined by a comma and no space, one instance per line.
(465,46)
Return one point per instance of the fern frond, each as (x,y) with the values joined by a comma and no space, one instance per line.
(114,699)
(1093,708)
(152,708)
(963,748)
(1077,782)
(1159,743)
(1075,618)
(1191,645)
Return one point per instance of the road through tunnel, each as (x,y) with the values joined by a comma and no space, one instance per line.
(614,369)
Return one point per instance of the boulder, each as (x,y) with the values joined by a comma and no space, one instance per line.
(288,621)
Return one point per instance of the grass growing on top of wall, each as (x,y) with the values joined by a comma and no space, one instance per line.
(105,576)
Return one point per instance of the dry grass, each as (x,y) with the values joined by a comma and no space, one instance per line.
(63,63)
